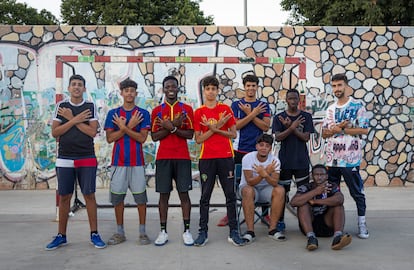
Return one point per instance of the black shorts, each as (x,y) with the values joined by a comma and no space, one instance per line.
(177,169)
(238,156)
(319,227)
(286,177)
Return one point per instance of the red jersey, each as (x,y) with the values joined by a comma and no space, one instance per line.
(217,146)
(172,146)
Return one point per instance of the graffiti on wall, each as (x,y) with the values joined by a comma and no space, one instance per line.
(377,61)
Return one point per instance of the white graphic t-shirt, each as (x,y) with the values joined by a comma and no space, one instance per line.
(344,150)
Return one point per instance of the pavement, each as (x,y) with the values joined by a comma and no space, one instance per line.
(27,224)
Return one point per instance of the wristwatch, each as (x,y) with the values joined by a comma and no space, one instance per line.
(173,130)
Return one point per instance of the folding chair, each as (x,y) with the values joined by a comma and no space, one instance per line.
(259,215)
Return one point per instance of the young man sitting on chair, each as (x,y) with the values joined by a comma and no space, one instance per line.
(259,183)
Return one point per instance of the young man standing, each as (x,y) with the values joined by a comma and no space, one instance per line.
(345,122)
(259,183)
(292,128)
(75,124)
(321,210)
(252,119)
(172,126)
(127,127)
(214,127)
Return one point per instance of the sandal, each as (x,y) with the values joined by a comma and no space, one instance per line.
(116,239)
(144,240)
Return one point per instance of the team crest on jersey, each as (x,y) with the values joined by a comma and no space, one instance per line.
(204,177)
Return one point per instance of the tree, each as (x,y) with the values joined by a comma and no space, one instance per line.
(18,13)
(350,12)
(133,12)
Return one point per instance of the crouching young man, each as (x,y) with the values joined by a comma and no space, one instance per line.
(321,211)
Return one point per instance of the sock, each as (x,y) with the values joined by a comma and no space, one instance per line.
(251,233)
(361,219)
(309,234)
(186,224)
(164,226)
(337,233)
(141,228)
(120,229)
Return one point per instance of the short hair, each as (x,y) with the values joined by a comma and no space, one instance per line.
(292,91)
(170,77)
(250,78)
(77,77)
(128,83)
(210,80)
(319,166)
(264,138)
(340,77)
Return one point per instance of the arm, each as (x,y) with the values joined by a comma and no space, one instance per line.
(59,129)
(216,128)
(251,115)
(334,200)
(166,128)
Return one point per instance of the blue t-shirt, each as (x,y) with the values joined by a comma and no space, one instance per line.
(293,153)
(246,141)
(127,151)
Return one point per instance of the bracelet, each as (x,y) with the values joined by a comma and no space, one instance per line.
(174,130)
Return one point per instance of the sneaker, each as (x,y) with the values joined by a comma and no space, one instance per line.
(201,239)
(312,243)
(162,238)
(363,231)
(188,238)
(235,239)
(249,237)
(224,221)
(341,241)
(278,236)
(144,239)
(281,226)
(58,241)
(97,241)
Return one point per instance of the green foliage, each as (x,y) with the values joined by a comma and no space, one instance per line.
(350,12)
(133,12)
(21,14)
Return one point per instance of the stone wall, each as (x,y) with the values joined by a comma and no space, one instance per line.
(377,60)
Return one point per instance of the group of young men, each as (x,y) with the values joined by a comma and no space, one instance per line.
(228,136)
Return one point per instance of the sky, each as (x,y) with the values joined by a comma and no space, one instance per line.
(225,12)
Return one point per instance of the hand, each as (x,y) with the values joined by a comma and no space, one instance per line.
(300,120)
(260,170)
(325,187)
(285,121)
(178,121)
(271,168)
(165,124)
(246,108)
(135,120)
(65,113)
(261,108)
(120,121)
(223,119)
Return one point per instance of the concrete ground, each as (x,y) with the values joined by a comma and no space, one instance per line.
(27,225)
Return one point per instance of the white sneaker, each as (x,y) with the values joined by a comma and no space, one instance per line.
(162,238)
(188,238)
(363,231)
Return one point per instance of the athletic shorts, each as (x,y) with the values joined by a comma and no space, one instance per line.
(319,227)
(286,177)
(168,169)
(124,178)
(262,194)
(68,170)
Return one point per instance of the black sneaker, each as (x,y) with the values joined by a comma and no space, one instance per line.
(341,241)
(312,243)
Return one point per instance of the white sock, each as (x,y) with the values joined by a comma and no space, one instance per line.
(361,219)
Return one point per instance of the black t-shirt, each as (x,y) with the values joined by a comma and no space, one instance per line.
(75,143)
